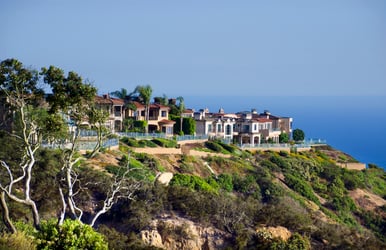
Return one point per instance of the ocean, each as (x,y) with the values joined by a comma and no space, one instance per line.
(353,124)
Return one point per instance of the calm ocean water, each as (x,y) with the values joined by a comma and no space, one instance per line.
(355,125)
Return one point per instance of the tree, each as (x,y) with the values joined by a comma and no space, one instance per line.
(283,137)
(73,99)
(145,93)
(122,187)
(181,109)
(298,135)
(122,94)
(19,88)
(97,119)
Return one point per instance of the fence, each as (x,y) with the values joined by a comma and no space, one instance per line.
(144,135)
(84,145)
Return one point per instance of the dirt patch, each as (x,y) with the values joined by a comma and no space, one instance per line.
(169,162)
(101,160)
(367,200)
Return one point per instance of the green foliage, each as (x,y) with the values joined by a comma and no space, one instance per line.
(298,242)
(270,165)
(18,240)
(147,143)
(298,135)
(71,235)
(247,185)
(214,146)
(225,181)
(193,182)
(352,179)
(188,124)
(301,187)
(374,179)
(283,138)
(140,126)
(229,147)
(132,142)
(165,143)
(375,222)
(280,162)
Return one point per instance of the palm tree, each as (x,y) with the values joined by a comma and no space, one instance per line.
(120,93)
(181,109)
(144,93)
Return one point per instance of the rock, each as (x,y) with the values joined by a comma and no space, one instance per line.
(152,238)
(276,232)
(165,178)
(179,233)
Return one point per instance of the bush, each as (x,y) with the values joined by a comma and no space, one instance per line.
(226,182)
(193,182)
(147,143)
(130,142)
(214,146)
(228,147)
(18,240)
(301,187)
(71,235)
(165,143)
(280,162)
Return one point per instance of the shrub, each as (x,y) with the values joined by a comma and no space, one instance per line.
(18,240)
(165,143)
(270,165)
(214,146)
(280,162)
(225,181)
(193,182)
(228,147)
(301,187)
(147,143)
(71,235)
(130,142)
(298,242)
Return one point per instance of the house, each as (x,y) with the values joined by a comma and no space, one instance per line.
(215,125)
(246,127)
(115,109)
(158,117)
(283,124)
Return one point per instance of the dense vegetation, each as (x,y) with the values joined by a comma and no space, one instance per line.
(304,192)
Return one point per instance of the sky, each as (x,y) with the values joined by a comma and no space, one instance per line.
(204,48)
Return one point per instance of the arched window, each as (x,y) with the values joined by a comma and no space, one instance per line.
(228,129)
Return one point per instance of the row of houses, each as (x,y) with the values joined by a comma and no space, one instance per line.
(248,127)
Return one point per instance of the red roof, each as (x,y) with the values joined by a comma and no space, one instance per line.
(105,99)
(152,106)
(264,120)
(165,121)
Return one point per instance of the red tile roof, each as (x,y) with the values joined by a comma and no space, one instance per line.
(109,100)
(165,121)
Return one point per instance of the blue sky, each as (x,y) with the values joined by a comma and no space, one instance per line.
(204,48)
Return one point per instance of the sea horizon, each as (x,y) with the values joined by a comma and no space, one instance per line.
(352,124)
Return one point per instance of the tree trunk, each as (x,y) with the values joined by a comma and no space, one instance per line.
(181,121)
(6,218)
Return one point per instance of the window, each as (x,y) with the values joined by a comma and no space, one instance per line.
(163,113)
(218,127)
(209,127)
(228,130)
(255,127)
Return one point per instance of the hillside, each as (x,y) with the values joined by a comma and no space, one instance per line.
(226,198)
(237,195)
